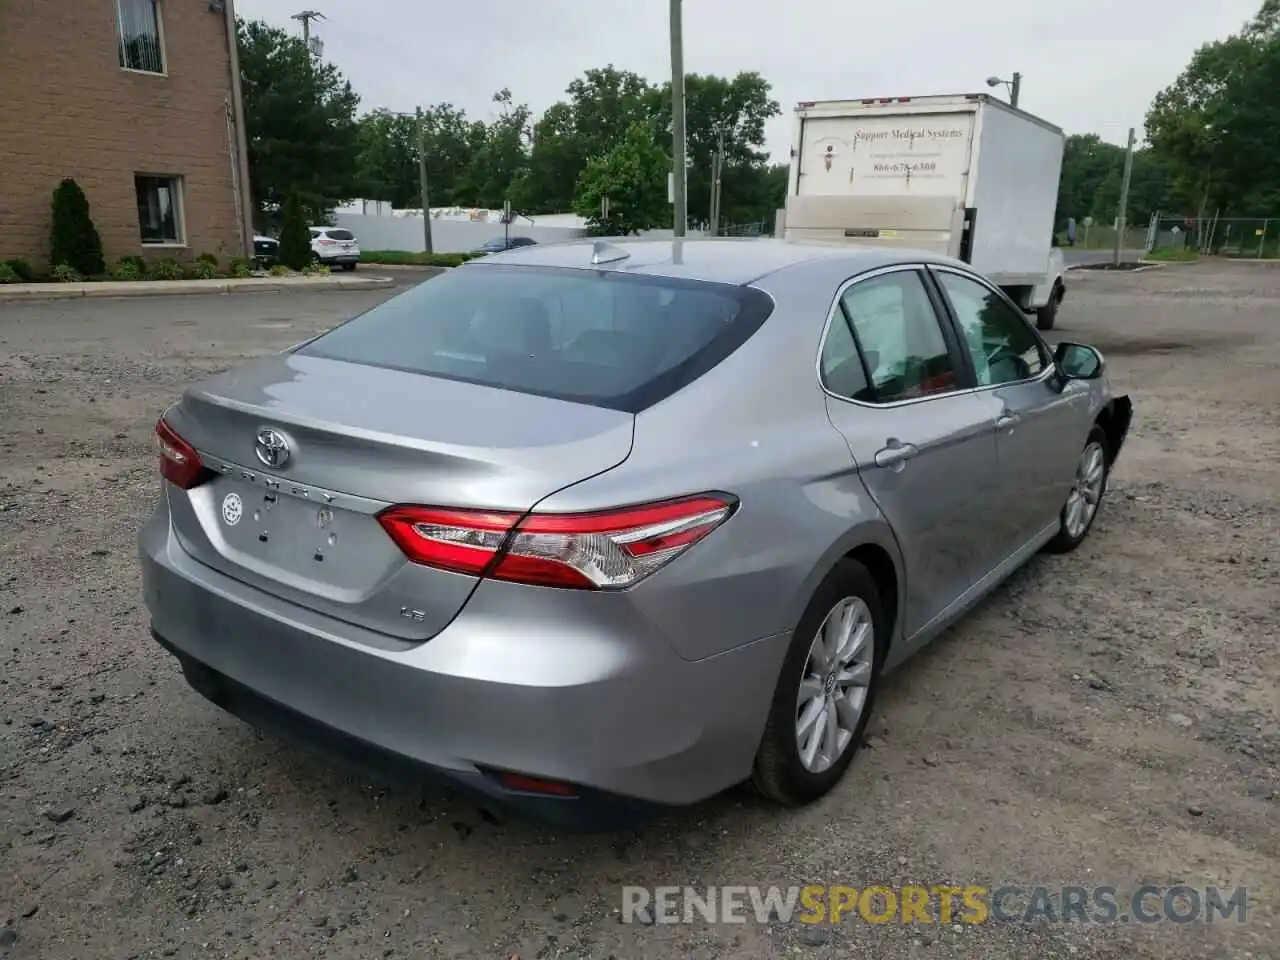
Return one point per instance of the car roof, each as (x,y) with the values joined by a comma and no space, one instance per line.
(722,260)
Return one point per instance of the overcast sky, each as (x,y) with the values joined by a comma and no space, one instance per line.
(1087,65)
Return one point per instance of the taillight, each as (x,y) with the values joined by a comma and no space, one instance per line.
(606,550)
(179,462)
(325,242)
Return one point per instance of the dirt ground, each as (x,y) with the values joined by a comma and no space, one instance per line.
(1106,718)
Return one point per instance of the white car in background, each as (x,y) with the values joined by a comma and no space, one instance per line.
(334,246)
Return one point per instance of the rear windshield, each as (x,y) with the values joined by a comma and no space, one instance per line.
(340,235)
(602,338)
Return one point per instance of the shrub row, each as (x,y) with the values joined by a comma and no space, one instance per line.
(406,258)
(204,267)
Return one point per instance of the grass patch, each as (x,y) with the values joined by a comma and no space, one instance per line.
(405,258)
(1179,255)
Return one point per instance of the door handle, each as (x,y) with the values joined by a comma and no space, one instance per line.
(1007,420)
(895,454)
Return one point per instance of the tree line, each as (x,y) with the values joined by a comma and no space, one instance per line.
(608,138)
(1212,139)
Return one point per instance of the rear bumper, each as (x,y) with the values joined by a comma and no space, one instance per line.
(594,701)
(588,810)
(340,258)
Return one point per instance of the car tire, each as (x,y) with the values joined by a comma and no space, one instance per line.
(1047,315)
(781,772)
(348,267)
(1070,531)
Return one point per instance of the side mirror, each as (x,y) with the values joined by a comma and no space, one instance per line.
(1076,361)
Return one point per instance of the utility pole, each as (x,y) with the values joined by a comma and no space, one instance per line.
(679,172)
(717,176)
(422,181)
(1122,213)
(1014,89)
(242,141)
(306,16)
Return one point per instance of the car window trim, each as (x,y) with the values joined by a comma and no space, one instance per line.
(1050,365)
(961,363)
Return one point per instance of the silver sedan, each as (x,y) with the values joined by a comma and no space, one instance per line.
(594,529)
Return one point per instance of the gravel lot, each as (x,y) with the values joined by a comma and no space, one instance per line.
(1106,718)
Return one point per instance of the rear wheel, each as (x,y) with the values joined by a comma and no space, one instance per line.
(348,267)
(1081,508)
(1047,315)
(825,690)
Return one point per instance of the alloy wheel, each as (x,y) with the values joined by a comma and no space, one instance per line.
(834,685)
(1086,491)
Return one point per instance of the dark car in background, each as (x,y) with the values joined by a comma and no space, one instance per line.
(266,251)
(499,244)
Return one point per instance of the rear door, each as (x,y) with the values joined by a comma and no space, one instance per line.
(923,443)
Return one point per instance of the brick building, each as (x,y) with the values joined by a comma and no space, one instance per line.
(135,100)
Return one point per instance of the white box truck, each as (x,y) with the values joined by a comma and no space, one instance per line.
(966,175)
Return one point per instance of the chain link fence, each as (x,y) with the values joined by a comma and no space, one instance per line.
(1236,237)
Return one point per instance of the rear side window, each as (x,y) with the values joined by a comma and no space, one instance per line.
(602,338)
(900,337)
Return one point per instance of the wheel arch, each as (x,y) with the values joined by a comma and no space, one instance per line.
(1114,418)
(874,546)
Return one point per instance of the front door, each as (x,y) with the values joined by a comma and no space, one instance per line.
(923,443)
(1040,428)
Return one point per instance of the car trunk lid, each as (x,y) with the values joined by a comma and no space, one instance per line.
(341,441)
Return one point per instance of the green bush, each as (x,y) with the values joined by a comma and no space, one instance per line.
(208,258)
(167,269)
(295,237)
(65,273)
(241,268)
(204,270)
(75,241)
(8,274)
(21,268)
(316,269)
(405,258)
(139,264)
(128,268)
(280,270)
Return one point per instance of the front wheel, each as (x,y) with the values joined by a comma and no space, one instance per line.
(825,690)
(1090,483)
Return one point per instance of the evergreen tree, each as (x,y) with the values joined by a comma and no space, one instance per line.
(295,236)
(75,241)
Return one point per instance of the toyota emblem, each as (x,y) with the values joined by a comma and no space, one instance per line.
(272,448)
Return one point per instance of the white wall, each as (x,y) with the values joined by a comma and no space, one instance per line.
(454,236)
(447,236)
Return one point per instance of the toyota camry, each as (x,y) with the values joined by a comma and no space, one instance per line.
(601,528)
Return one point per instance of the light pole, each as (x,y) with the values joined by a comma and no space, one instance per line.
(678,184)
(1014,85)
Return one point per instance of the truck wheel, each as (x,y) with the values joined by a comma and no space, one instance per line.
(1047,315)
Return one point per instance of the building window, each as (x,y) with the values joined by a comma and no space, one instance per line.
(159,209)
(141,46)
